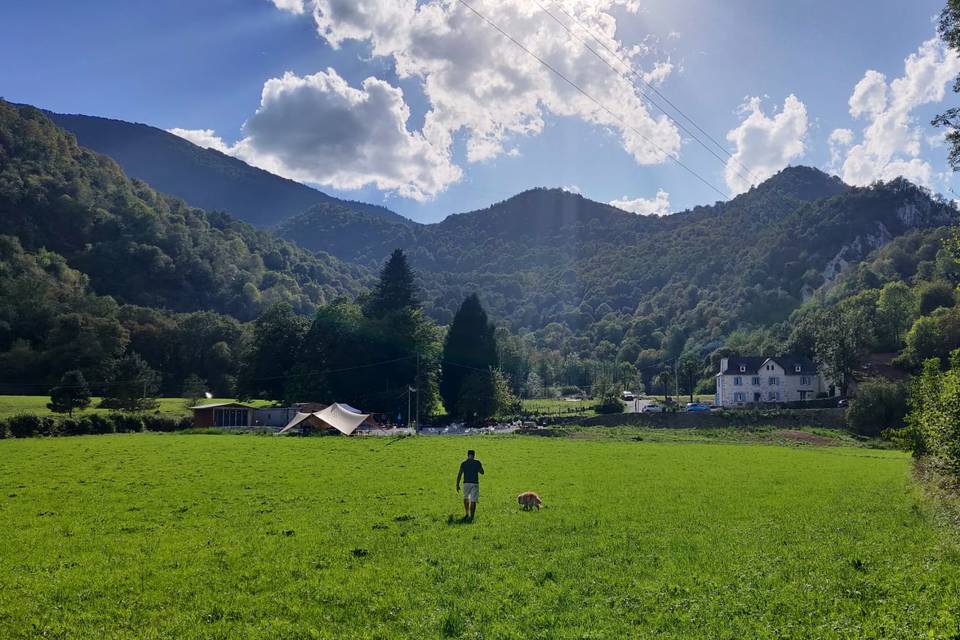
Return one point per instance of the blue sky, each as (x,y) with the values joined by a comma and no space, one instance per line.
(202,66)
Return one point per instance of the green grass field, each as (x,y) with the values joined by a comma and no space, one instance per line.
(559,407)
(12,405)
(177,536)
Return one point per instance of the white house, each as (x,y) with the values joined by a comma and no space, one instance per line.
(760,379)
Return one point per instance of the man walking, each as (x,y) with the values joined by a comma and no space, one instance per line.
(470,472)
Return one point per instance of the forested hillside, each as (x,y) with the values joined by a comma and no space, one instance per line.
(204,178)
(94,266)
(142,247)
(595,281)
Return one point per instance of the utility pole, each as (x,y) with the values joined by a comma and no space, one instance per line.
(408,406)
(418,393)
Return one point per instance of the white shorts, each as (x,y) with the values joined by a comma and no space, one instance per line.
(471,491)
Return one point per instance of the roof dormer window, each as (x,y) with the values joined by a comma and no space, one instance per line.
(798,368)
(743,368)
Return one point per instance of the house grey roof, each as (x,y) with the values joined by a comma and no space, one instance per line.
(752,365)
(219,405)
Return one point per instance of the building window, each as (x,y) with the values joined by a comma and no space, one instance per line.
(738,397)
(230,417)
(737,381)
(773,396)
(756,381)
(774,381)
(804,379)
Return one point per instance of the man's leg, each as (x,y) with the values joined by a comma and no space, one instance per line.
(466,507)
(473,509)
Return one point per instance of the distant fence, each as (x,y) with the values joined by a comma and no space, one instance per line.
(826,418)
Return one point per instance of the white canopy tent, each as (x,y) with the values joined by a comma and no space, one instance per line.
(341,417)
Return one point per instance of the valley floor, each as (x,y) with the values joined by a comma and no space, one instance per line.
(192,536)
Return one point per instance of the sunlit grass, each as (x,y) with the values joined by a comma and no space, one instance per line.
(174,407)
(175,536)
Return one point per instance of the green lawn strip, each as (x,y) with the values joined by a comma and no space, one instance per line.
(174,407)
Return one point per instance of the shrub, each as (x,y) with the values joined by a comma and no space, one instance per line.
(127,423)
(4,430)
(165,424)
(97,423)
(879,405)
(610,405)
(73,427)
(25,425)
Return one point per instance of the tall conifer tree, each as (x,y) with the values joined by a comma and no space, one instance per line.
(470,346)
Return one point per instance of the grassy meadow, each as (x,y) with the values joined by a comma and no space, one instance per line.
(192,536)
(173,407)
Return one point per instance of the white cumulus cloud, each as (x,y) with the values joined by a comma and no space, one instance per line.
(765,144)
(319,129)
(657,206)
(483,87)
(293,6)
(891,140)
(206,138)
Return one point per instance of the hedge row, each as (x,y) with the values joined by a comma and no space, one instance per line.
(28,425)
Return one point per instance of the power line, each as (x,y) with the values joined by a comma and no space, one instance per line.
(653,88)
(594,100)
(625,76)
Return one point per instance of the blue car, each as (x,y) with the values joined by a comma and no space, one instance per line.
(697,406)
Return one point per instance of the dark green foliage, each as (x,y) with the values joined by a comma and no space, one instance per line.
(878,405)
(933,336)
(483,395)
(934,420)
(934,295)
(71,394)
(139,246)
(277,339)
(689,372)
(25,425)
(395,290)
(469,347)
(133,387)
(127,423)
(843,339)
(371,358)
(585,283)
(100,424)
(949,29)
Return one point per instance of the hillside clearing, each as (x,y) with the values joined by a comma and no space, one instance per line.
(145,536)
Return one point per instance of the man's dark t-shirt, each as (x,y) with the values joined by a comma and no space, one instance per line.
(471,469)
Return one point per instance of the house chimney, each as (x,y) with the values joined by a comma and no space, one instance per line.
(723,364)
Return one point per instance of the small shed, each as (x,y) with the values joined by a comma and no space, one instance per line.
(223,414)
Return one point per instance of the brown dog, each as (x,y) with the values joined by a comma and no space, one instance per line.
(528,500)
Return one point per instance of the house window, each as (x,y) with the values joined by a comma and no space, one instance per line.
(773,395)
(756,381)
(774,381)
(737,381)
(804,379)
(738,397)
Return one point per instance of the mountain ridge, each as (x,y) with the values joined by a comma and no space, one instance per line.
(203,177)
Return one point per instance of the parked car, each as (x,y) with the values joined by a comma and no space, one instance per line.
(628,396)
(697,406)
(653,407)
(842,402)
